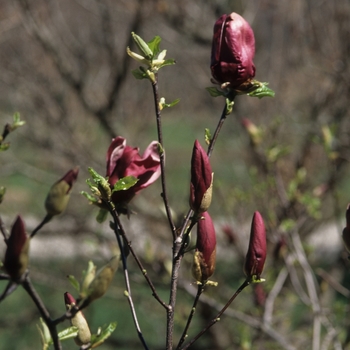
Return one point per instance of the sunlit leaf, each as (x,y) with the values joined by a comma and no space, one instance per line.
(74,282)
(98,339)
(154,45)
(207,136)
(125,183)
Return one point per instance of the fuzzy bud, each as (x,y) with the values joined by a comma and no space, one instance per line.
(103,279)
(79,321)
(16,256)
(201,186)
(205,255)
(256,255)
(58,196)
(233,50)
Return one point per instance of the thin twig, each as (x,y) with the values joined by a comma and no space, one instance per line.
(118,227)
(27,285)
(269,303)
(200,290)
(217,317)
(247,319)
(46,219)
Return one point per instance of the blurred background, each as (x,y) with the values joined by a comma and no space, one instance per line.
(64,68)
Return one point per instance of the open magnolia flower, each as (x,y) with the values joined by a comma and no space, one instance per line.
(123,160)
(233,50)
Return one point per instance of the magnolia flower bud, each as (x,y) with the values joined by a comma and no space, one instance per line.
(233,50)
(346,231)
(79,321)
(256,255)
(205,255)
(103,279)
(16,256)
(201,186)
(58,196)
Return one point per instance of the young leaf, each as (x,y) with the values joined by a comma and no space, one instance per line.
(214,92)
(207,136)
(125,183)
(154,45)
(74,282)
(142,46)
(102,216)
(138,74)
(68,333)
(98,339)
(262,91)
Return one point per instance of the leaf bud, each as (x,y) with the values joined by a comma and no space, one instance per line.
(79,321)
(58,196)
(103,279)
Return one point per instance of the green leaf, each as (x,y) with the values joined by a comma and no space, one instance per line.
(102,216)
(74,282)
(4,146)
(262,91)
(125,183)
(44,334)
(215,92)
(142,46)
(68,333)
(168,62)
(91,198)
(98,339)
(229,106)
(207,136)
(138,74)
(154,45)
(17,122)
(168,105)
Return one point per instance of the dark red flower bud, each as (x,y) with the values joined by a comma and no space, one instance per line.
(16,256)
(233,50)
(346,231)
(58,196)
(205,254)
(256,255)
(123,160)
(201,180)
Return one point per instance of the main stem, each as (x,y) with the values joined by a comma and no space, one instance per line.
(179,245)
